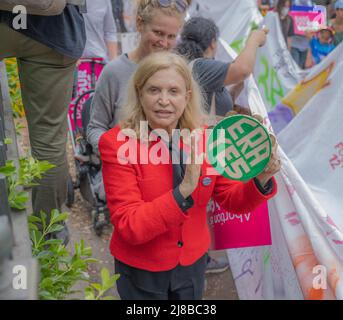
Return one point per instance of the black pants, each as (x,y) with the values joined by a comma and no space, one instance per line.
(180,283)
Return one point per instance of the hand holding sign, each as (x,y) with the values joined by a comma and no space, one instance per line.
(260,36)
(273,166)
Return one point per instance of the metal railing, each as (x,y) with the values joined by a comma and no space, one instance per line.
(18,270)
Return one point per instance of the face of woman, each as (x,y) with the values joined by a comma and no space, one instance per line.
(160,34)
(164,98)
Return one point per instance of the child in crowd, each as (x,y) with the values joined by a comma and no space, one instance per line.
(321,44)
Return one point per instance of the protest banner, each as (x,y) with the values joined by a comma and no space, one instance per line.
(301,263)
(308,18)
(276,73)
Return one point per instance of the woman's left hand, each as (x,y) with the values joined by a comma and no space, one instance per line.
(273,166)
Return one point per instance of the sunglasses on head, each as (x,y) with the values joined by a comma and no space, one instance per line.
(180,5)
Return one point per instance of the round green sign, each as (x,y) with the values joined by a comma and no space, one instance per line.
(239,147)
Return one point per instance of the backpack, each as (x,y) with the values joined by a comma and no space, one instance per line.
(41,7)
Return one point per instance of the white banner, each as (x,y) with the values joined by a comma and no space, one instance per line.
(314,143)
(301,263)
(235,18)
(276,73)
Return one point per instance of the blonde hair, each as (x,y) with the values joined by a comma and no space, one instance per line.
(145,9)
(193,116)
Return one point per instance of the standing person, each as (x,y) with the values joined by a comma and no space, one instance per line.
(265,5)
(161,236)
(158,22)
(198,43)
(337,23)
(287,25)
(47,52)
(300,44)
(100,30)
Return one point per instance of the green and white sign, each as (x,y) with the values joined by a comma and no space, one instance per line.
(239,147)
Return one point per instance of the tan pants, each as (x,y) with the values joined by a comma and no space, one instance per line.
(46,79)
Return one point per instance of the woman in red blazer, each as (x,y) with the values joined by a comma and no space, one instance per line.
(158,206)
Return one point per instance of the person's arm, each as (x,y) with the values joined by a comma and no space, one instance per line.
(236,90)
(136,220)
(110,33)
(289,43)
(112,49)
(244,64)
(309,59)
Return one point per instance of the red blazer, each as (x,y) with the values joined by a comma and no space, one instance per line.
(148,223)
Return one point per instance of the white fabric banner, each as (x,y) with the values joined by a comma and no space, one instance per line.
(314,143)
(301,263)
(275,72)
(235,18)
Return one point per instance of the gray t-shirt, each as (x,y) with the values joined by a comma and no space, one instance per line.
(110,96)
(100,29)
(210,75)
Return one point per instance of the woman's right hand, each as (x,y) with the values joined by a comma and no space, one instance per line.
(192,173)
(259,36)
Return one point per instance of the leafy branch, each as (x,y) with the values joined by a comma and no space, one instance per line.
(61,270)
(30,170)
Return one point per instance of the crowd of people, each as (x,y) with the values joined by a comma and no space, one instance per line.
(171,81)
(312,47)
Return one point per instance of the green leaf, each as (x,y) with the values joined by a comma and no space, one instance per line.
(53,242)
(8,141)
(56,228)
(110,283)
(105,275)
(8,169)
(33,219)
(60,217)
(18,200)
(32,226)
(96,286)
(89,294)
(34,236)
(46,283)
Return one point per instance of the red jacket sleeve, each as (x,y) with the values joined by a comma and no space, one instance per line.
(135,220)
(238,197)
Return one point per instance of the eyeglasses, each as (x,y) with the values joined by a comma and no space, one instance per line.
(180,5)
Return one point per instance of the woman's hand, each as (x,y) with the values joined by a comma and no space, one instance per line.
(193,172)
(259,36)
(273,166)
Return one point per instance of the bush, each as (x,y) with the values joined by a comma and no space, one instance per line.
(61,270)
